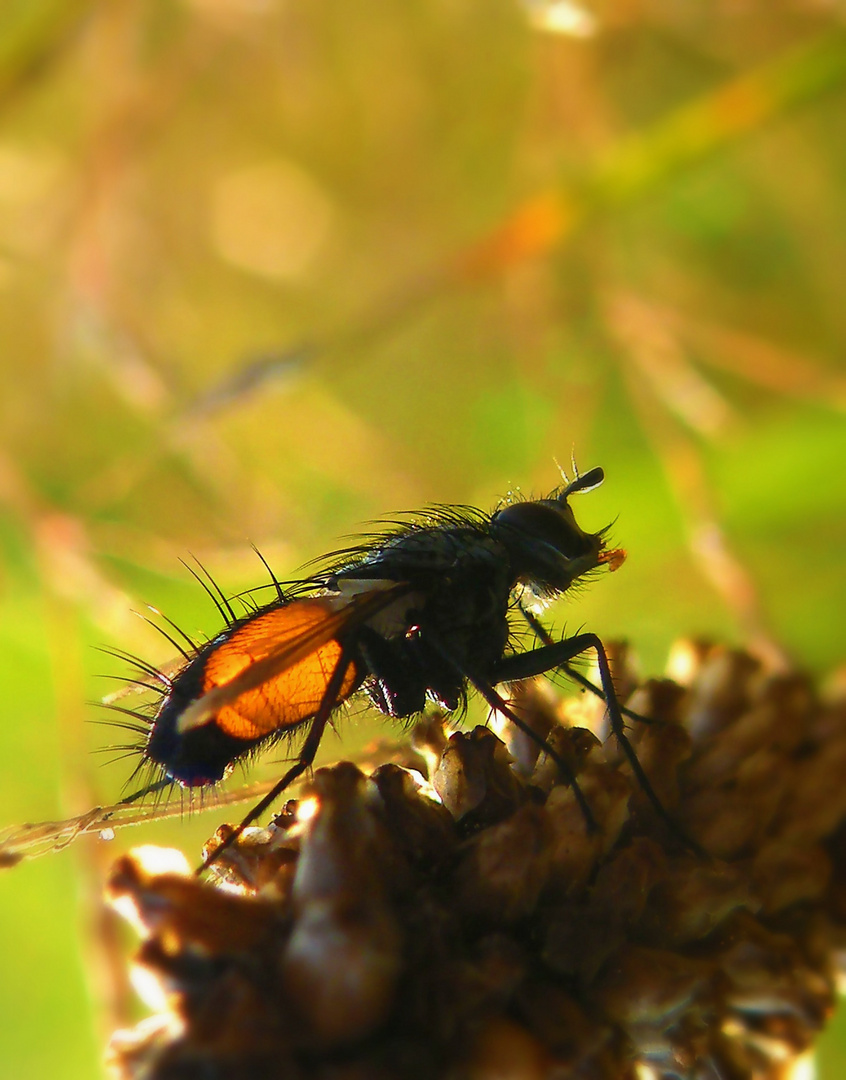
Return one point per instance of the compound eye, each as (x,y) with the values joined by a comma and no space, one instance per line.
(548,522)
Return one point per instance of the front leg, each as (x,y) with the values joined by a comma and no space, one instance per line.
(548,658)
(544,635)
(500,705)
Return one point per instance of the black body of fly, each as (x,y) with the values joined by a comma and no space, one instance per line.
(414,614)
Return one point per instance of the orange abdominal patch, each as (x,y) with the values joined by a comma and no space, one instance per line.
(293,691)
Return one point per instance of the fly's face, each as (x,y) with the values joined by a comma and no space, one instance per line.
(547,547)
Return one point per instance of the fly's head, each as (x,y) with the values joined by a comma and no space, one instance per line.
(547,547)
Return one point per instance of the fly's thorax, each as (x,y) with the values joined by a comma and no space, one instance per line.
(427,554)
(453,573)
(460,586)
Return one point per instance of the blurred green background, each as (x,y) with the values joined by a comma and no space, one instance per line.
(270,270)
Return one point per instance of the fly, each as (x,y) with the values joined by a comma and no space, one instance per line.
(422,612)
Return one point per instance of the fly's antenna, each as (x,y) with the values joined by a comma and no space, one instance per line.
(561,471)
(589,480)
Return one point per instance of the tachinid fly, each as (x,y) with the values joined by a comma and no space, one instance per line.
(418,613)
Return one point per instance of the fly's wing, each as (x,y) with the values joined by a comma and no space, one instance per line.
(32,840)
(273,671)
(292,653)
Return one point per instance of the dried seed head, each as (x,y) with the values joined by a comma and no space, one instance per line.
(468,925)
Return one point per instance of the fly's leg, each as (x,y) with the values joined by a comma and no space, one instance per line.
(548,657)
(497,702)
(544,635)
(303,762)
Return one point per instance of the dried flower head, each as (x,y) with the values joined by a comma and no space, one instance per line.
(457,920)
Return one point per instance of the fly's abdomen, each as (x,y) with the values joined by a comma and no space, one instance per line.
(289,696)
(290,661)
